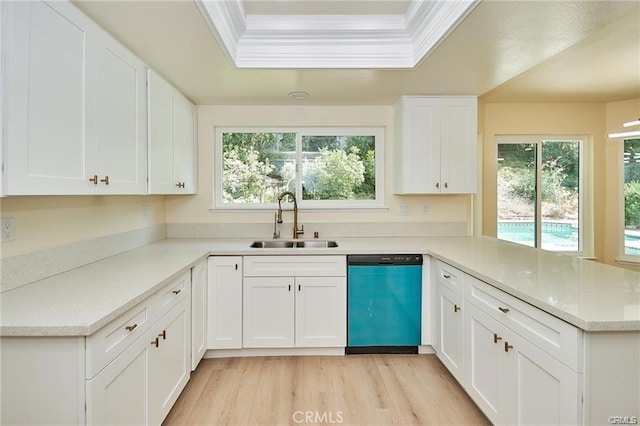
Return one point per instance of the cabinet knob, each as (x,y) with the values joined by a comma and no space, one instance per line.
(446,185)
(94,179)
(156,342)
(496,338)
(456,308)
(131,327)
(105,180)
(503,310)
(507,346)
(163,335)
(437,184)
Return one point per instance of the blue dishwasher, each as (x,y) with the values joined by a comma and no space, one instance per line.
(384,299)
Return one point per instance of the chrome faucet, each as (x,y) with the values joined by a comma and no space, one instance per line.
(296,232)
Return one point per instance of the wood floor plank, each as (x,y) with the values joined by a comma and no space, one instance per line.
(350,390)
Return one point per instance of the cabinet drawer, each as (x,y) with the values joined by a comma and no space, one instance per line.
(108,342)
(450,277)
(300,266)
(171,294)
(559,339)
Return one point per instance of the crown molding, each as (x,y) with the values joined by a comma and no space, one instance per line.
(332,41)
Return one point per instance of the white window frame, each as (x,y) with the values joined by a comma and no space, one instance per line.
(377,132)
(585,231)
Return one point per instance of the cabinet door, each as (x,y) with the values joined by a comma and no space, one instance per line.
(171,139)
(458,142)
(199,307)
(122,120)
(225,303)
(184,145)
(321,312)
(49,115)
(451,338)
(540,390)
(485,378)
(417,166)
(118,394)
(268,312)
(169,360)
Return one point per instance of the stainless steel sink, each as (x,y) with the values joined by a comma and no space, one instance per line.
(294,244)
(316,244)
(272,244)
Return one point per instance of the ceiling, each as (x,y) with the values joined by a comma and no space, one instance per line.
(504,51)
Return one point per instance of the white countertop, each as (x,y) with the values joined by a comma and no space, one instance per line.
(587,294)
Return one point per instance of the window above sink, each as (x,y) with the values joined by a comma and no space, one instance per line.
(325,167)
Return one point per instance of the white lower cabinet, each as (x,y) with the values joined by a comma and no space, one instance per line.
(169,361)
(320,311)
(199,307)
(307,308)
(450,347)
(224,329)
(268,312)
(118,395)
(520,365)
(486,379)
(141,385)
(540,389)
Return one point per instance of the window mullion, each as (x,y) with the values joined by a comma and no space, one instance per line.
(538,208)
(298,166)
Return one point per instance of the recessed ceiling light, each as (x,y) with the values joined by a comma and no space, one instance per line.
(298,95)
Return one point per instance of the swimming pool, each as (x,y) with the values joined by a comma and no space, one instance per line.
(556,236)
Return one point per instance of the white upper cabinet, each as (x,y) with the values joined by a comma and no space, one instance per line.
(171,139)
(436,145)
(74,105)
(121,119)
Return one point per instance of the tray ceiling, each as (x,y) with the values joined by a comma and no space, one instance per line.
(330,38)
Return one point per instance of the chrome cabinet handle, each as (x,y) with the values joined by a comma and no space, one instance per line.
(503,310)
(131,327)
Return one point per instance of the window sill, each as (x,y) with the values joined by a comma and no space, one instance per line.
(628,261)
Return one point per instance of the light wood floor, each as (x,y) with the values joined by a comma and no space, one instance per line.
(350,390)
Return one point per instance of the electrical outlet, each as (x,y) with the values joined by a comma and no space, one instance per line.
(404,210)
(7,229)
(425,209)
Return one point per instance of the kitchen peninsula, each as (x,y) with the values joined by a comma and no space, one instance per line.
(600,303)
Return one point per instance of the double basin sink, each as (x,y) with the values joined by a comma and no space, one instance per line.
(294,244)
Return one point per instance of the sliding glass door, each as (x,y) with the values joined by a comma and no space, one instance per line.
(539,192)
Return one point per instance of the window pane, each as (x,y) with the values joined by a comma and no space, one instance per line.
(560,195)
(517,192)
(632,197)
(257,166)
(338,168)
